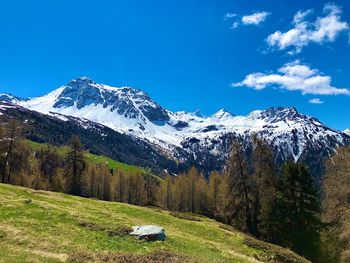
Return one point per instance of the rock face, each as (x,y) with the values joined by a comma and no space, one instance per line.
(190,137)
(127,102)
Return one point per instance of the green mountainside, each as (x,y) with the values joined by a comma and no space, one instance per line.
(42,226)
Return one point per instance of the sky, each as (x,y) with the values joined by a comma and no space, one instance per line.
(187,55)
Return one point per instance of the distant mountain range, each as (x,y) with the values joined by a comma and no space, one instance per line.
(188,138)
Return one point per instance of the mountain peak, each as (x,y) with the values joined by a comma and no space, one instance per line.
(80,81)
(276,114)
(347,131)
(281,112)
(222,114)
(120,101)
(282,109)
(6,97)
(197,113)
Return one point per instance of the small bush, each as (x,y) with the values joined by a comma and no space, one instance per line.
(2,234)
(119,231)
(185,216)
(28,201)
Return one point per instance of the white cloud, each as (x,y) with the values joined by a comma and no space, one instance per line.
(255,18)
(316,101)
(301,15)
(235,25)
(229,15)
(294,76)
(323,29)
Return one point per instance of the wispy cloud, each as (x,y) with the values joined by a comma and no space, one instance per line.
(323,29)
(316,101)
(229,15)
(255,18)
(252,19)
(294,76)
(234,25)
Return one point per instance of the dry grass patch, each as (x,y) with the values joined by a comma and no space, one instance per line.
(161,256)
(110,230)
(59,256)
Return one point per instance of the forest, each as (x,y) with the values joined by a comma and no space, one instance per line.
(281,205)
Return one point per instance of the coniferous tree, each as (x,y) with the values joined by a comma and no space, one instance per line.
(263,184)
(75,165)
(49,165)
(296,214)
(224,208)
(93,175)
(165,195)
(86,181)
(2,150)
(215,180)
(119,186)
(150,186)
(201,197)
(238,181)
(181,193)
(107,178)
(11,137)
(18,162)
(192,176)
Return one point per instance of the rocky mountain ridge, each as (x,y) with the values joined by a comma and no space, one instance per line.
(188,137)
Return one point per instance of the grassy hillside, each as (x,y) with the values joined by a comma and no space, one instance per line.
(97,159)
(39,226)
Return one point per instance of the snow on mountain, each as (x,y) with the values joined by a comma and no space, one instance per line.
(347,131)
(185,135)
(222,114)
(10,98)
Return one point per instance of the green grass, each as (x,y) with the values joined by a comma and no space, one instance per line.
(48,228)
(97,159)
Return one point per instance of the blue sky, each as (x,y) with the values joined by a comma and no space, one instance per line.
(201,54)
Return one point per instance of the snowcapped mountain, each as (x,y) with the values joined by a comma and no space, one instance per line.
(188,136)
(347,131)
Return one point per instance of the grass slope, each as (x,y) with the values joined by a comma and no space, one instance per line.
(40,226)
(97,159)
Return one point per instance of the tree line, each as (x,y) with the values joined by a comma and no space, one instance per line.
(48,169)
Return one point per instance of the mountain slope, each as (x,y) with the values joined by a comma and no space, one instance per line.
(39,226)
(93,158)
(190,137)
(58,129)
